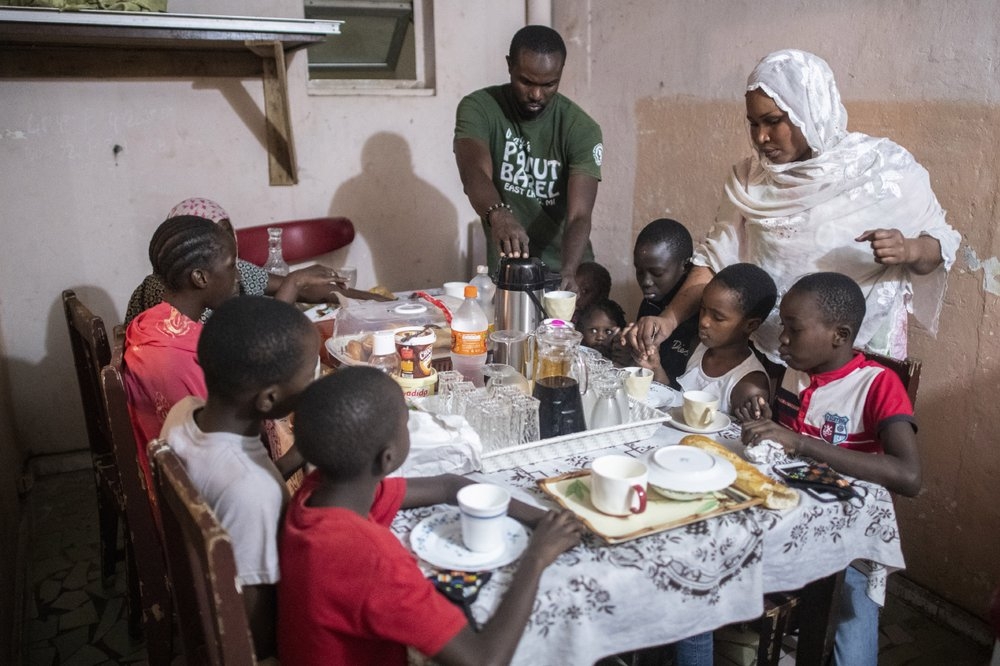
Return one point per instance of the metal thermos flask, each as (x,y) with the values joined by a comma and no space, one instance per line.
(518,300)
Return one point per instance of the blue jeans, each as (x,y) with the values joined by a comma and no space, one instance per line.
(856,641)
(694,650)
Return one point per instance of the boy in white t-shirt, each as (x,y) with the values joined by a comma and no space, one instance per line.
(258,355)
(733,305)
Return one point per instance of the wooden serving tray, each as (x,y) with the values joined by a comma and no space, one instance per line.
(572,491)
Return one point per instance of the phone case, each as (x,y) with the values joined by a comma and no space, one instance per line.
(817,479)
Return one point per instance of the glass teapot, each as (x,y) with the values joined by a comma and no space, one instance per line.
(560,379)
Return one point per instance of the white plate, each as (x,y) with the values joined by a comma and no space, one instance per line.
(720,422)
(688,469)
(437,540)
(661,396)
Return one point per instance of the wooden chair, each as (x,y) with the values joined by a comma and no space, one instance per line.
(146,558)
(213,622)
(300,239)
(908,370)
(91,352)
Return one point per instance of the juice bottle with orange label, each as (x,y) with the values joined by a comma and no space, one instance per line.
(469,328)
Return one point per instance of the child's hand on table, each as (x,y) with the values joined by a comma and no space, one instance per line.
(755,416)
(557,532)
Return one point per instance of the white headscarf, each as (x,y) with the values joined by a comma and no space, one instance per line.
(802,217)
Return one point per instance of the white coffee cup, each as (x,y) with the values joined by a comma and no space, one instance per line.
(559,304)
(456,289)
(483,508)
(638,381)
(699,408)
(618,485)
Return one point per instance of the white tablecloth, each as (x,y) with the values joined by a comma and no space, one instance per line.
(598,600)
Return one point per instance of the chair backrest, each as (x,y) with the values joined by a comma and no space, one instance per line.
(300,239)
(141,515)
(91,351)
(908,370)
(213,621)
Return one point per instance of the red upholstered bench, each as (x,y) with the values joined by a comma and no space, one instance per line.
(300,239)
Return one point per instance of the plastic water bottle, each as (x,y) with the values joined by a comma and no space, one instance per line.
(469,328)
(384,356)
(487,290)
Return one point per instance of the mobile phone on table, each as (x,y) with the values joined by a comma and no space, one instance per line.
(818,479)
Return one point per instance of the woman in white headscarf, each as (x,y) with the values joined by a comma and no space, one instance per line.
(815,197)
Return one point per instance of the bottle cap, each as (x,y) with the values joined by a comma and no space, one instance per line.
(482,270)
(471,292)
(384,343)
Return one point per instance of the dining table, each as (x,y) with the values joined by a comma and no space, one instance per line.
(598,600)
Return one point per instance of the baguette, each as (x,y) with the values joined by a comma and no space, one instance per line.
(749,479)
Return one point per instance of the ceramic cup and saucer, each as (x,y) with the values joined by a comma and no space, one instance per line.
(437,540)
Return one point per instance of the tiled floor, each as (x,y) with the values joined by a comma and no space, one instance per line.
(73,619)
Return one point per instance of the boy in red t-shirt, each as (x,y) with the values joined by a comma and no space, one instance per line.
(834,406)
(350,593)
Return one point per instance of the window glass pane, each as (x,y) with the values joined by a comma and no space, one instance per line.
(376,41)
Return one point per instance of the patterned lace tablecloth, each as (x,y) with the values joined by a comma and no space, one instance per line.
(598,600)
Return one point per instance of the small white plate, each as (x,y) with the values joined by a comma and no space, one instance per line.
(437,540)
(720,422)
(688,469)
(661,396)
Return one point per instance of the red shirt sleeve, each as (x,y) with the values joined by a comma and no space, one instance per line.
(388,498)
(886,400)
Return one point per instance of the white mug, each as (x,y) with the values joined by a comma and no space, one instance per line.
(699,408)
(483,508)
(559,304)
(638,381)
(618,485)
(456,289)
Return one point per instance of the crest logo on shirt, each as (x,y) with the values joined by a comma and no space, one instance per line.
(598,154)
(834,428)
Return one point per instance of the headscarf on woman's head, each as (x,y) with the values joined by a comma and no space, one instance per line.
(199,207)
(802,85)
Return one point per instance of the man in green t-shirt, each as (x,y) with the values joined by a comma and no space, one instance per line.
(530,159)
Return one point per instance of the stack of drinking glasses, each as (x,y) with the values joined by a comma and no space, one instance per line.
(502,415)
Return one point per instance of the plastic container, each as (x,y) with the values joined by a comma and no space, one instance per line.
(384,356)
(469,328)
(482,282)
(421,387)
(353,338)
(415,346)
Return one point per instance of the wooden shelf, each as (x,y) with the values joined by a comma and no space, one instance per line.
(48,43)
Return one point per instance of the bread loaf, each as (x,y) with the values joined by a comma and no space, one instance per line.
(749,479)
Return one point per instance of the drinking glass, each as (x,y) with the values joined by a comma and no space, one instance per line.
(446,380)
(461,395)
(525,410)
(350,275)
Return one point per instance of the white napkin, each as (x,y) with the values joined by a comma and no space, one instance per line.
(440,444)
(767,451)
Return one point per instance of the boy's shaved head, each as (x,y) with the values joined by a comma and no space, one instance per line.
(344,420)
(667,232)
(840,300)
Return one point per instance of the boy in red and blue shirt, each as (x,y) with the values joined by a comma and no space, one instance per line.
(834,406)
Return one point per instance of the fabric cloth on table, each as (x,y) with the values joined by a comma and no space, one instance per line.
(802,217)
(160,369)
(236,477)
(532,162)
(696,379)
(349,592)
(654,590)
(444,444)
